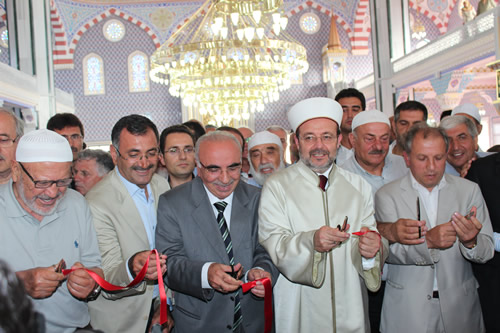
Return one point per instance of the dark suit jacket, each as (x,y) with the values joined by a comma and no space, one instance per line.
(188,233)
(486,173)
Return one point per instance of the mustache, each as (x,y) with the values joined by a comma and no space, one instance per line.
(377,152)
(47,197)
(319,151)
(267,165)
(139,168)
(74,149)
(219,183)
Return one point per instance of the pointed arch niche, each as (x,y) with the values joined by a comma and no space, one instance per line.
(138,69)
(93,74)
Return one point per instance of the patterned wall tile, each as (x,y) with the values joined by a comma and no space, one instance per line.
(100,113)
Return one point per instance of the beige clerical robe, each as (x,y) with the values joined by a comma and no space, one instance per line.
(292,208)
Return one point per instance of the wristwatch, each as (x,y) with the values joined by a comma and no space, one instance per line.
(94,294)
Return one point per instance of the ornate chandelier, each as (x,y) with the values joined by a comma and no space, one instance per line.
(230,58)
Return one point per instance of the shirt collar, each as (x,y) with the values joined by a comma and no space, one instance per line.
(327,172)
(213,199)
(417,186)
(133,189)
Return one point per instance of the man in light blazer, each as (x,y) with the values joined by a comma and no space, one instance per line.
(192,231)
(123,206)
(430,286)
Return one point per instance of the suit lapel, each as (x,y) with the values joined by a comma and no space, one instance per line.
(409,198)
(128,209)
(241,218)
(203,215)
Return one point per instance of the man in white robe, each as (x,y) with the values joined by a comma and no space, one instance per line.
(325,269)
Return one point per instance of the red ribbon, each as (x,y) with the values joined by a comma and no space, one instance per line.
(268,300)
(111,287)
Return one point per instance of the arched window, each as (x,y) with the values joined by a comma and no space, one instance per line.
(93,75)
(138,72)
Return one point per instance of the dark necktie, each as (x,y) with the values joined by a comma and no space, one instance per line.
(322,182)
(226,236)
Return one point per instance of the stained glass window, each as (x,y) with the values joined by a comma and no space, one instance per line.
(138,77)
(93,75)
(310,23)
(113,30)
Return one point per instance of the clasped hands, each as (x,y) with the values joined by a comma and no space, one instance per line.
(42,282)
(327,238)
(220,279)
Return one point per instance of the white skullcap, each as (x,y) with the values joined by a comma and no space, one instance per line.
(43,146)
(311,108)
(469,109)
(263,137)
(370,116)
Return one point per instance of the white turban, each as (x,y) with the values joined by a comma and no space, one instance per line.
(311,108)
(43,146)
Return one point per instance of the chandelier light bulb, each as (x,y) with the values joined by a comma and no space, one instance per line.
(276,18)
(257,14)
(276,28)
(283,22)
(218,22)
(260,32)
(215,29)
(235,18)
(249,33)
(240,33)
(223,32)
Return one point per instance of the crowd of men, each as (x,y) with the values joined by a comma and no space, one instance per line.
(377,224)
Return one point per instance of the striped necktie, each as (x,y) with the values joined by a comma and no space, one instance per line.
(226,236)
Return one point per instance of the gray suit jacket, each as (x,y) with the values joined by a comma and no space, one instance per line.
(188,233)
(121,234)
(411,274)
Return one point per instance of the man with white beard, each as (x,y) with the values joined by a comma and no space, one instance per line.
(265,153)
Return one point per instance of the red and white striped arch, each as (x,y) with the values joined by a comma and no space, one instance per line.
(362,28)
(63,52)
(441,21)
(358,36)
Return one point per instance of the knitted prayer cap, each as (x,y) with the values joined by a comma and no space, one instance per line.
(370,116)
(43,146)
(469,109)
(263,137)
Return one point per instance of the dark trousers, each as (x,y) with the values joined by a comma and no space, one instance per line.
(375,301)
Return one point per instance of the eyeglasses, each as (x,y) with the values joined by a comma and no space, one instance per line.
(177,150)
(215,170)
(73,137)
(134,156)
(325,138)
(47,183)
(7,142)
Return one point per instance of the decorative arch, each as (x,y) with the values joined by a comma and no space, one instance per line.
(362,28)
(63,52)
(93,74)
(107,13)
(326,11)
(60,52)
(138,72)
(441,21)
